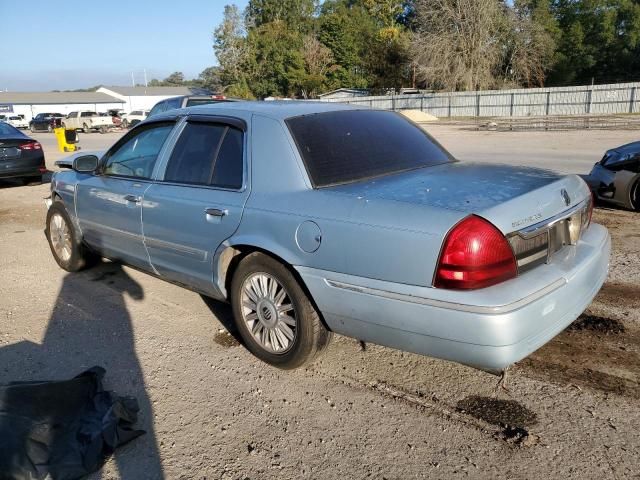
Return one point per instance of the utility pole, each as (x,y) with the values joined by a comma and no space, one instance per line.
(145,78)
(133,81)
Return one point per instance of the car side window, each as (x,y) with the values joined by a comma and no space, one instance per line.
(136,154)
(207,154)
(174,103)
(158,108)
(229,164)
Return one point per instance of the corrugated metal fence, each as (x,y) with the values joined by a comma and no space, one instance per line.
(584,100)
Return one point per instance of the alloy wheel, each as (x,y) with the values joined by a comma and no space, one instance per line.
(269,313)
(60,237)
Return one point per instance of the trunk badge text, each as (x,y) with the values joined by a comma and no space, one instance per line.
(530,219)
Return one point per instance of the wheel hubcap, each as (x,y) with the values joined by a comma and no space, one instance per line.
(60,237)
(268,313)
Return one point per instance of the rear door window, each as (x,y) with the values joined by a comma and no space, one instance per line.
(207,154)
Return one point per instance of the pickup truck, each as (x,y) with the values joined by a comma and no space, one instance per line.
(87,122)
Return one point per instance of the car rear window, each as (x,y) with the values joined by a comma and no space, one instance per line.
(200,101)
(352,145)
(6,129)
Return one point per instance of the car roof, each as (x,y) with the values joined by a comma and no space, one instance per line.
(279,110)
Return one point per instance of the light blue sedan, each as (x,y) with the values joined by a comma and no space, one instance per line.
(314,218)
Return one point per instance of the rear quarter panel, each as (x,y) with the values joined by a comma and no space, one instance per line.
(383,240)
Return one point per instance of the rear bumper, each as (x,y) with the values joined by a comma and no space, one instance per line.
(22,168)
(489,329)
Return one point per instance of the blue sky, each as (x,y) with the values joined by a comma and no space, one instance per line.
(48,44)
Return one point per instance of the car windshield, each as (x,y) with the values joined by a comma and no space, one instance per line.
(353,145)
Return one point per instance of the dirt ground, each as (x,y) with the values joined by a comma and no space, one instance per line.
(213,411)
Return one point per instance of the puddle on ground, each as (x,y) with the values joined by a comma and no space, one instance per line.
(225,339)
(594,323)
(504,413)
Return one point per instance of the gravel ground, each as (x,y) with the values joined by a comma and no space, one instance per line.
(212,411)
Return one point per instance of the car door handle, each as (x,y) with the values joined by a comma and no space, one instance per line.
(132,198)
(215,212)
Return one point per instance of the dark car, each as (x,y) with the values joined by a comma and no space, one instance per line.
(187,101)
(616,178)
(44,122)
(20,155)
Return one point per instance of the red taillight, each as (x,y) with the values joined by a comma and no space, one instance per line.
(475,255)
(30,146)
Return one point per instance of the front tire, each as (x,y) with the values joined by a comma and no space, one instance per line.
(635,196)
(68,250)
(85,128)
(275,317)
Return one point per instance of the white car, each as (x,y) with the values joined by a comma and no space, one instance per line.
(16,121)
(132,118)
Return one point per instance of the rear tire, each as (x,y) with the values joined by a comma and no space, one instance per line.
(635,196)
(67,248)
(85,128)
(275,317)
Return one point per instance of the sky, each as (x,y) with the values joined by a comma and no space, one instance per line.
(61,45)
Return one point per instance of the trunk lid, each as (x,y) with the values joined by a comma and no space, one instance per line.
(510,197)
(9,148)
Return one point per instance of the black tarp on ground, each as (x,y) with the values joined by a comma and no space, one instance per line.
(65,429)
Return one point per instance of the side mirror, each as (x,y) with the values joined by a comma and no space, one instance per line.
(85,164)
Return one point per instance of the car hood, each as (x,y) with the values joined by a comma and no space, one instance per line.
(509,196)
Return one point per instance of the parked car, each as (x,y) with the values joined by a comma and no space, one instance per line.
(17,121)
(616,178)
(312,218)
(44,122)
(186,101)
(87,122)
(134,117)
(20,155)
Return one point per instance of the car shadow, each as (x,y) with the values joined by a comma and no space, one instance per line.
(223,313)
(91,325)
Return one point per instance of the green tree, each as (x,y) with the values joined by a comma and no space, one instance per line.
(210,78)
(295,14)
(600,40)
(275,60)
(348,30)
(176,78)
(230,47)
